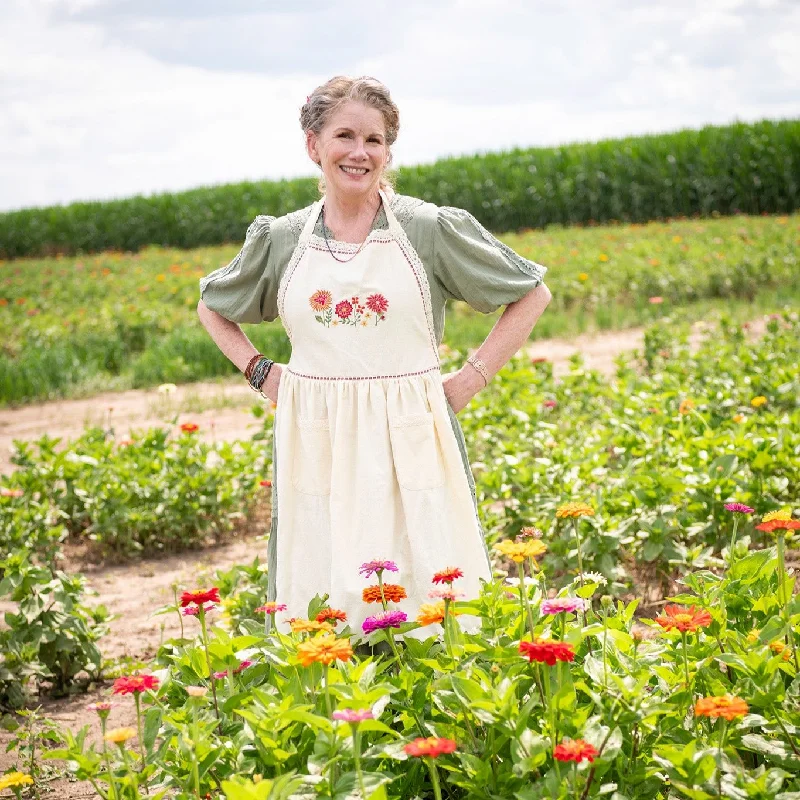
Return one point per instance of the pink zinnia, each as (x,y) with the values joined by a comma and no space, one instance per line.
(370,568)
(193,611)
(377,303)
(271,608)
(389,619)
(655,300)
(344,309)
(135,684)
(445,594)
(352,716)
(550,404)
(563,605)
(739,508)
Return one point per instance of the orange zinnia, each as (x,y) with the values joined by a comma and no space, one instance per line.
(333,615)
(430,613)
(575,510)
(683,619)
(309,626)
(726,706)
(324,649)
(393,592)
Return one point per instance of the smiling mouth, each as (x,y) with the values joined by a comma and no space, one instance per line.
(354,170)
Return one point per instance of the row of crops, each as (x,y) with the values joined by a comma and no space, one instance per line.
(679,472)
(77,325)
(733,169)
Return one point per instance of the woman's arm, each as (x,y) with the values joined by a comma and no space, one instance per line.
(509,334)
(233,342)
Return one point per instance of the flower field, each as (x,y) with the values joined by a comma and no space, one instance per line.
(76,326)
(639,640)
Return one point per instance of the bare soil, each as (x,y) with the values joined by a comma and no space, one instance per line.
(133,591)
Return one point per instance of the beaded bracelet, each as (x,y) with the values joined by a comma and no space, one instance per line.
(477,364)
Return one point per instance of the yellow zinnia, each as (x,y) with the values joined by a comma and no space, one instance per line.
(120,735)
(686,406)
(756,402)
(309,626)
(324,649)
(15,779)
(519,551)
(574,510)
(783,515)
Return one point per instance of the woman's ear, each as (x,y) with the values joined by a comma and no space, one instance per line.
(311,146)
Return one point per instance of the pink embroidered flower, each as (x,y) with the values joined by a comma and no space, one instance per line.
(377,303)
(344,309)
(321,300)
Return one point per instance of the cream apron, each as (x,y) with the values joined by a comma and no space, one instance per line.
(367,465)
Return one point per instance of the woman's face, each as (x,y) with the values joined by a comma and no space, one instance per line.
(351,149)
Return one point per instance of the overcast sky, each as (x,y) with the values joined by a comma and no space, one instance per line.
(109,98)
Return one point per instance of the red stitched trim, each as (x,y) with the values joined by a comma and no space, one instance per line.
(365,378)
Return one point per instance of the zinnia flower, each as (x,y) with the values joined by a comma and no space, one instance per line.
(519,551)
(189,427)
(120,735)
(739,508)
(266,484)
(783,514)
(393,593)
(309,626)
(725,706)
(193,611)
(377,303)
(344,309)
(12,779)
(389,619)
(655,300)
(352,716)
(430,613)
(271,608)
(685,406)
(562,605)
(196,691)
(102,708)
(332,615)
(576,750)
(529,532)
(370,568)
(683,619)
(756,402)
(431,747)
(447,575)
(200,596)
(5,492)
(574,510)
(134,684)
(592,577)
(779,525)
(445,594)
(324,649)
(547,651)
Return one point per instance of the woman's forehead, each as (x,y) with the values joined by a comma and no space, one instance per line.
(358,117)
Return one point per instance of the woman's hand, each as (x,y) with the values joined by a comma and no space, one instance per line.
(272,383)
(460,387)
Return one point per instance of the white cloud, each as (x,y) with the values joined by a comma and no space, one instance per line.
(106,98)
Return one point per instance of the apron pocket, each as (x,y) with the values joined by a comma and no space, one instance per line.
(416,452)
(312,460)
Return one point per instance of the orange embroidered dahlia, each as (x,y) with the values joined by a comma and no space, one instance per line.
(726,706)
(324,649)
(393,593)
(432,747)
(321,300)
(332,615)
(683,619)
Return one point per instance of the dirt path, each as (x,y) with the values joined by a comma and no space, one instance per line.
(221,408)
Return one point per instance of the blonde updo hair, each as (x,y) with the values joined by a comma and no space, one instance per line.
(326,99)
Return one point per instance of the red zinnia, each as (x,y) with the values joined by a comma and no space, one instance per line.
(683,619)
(779,525)
(447,575)
(189,427)
(432,746)
(547,651)
(266,484)
(331,615)
(133,684)
(344,309)
(200,597)
(576,750)
(377,303)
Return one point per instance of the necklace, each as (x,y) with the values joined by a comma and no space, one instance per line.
(328,244)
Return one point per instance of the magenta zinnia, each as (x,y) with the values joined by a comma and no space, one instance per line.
(739,508)
(352,716)
(389,619)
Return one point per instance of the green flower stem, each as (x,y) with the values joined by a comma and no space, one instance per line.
(325,670)
(89,778)
(605,648)
(131,771)
(580,556)
(723,730)
(380,588)
(551,712)
(782,599)
(685,659)
(204,634)
(785,732)
(357,758)
(111,788)
(195,736)
(392,643)
(137,701)
(434,773)
(178,607)
(523,593)
(732,551)
(448,642)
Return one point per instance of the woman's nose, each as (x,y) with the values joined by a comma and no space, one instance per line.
(360,148)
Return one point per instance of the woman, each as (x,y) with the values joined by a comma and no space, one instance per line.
(370,461)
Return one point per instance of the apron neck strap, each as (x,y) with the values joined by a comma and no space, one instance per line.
(394,226)
(308,228)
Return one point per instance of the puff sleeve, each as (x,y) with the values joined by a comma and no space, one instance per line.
(474,266)
(246,290)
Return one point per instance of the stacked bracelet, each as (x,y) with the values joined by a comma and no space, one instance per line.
(478,365)
(258,368)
